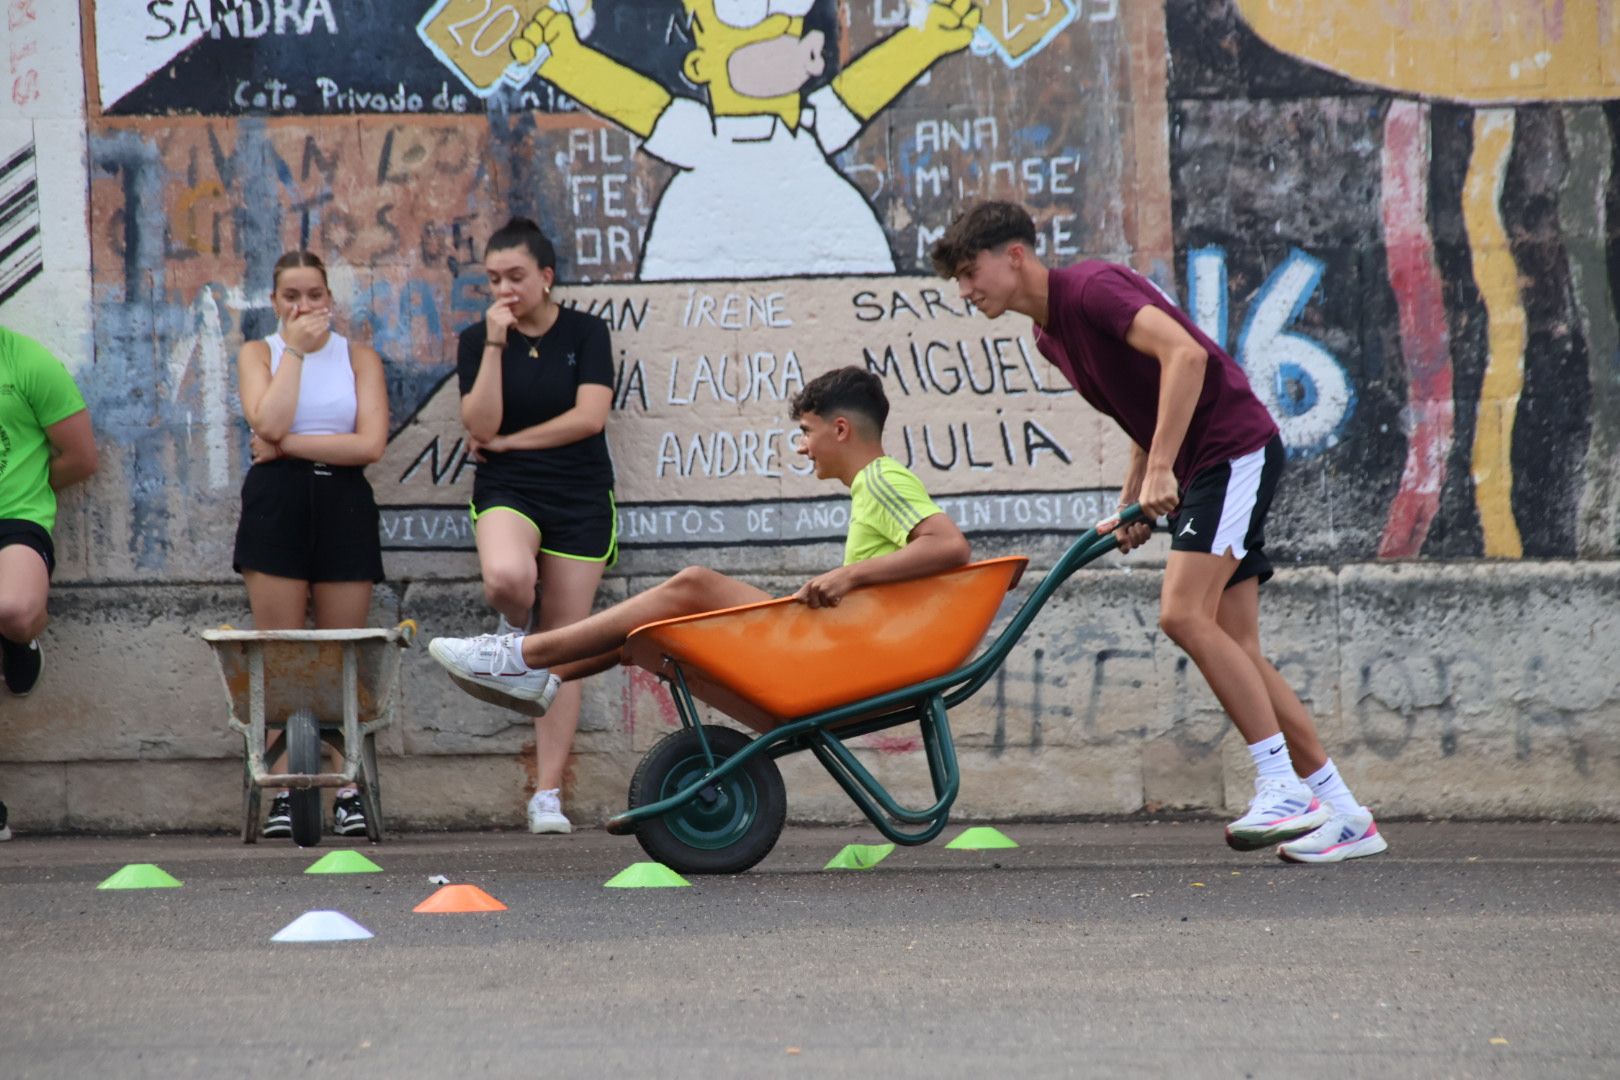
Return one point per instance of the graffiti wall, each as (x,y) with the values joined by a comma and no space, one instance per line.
(44,249)
(747,206)
(1420,199)
(1414,262)
(1403,220)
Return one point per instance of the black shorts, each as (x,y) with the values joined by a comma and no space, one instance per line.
(308,522)
(575,524)
(1224,509)
(29,534)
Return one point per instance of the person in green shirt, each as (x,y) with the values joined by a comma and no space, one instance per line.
(46,444)
(895,533)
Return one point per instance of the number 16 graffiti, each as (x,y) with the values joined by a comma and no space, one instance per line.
(1300,381)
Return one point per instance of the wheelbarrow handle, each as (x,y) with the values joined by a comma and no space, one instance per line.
(1129,515)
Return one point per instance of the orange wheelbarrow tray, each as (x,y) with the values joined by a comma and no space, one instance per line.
(332,686)
(709,799)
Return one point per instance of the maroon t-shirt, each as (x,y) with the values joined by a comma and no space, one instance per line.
(1090,307)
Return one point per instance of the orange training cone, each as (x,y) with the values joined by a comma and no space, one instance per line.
(459,900)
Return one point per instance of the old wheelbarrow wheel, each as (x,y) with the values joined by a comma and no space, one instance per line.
(728,826)
(304,756)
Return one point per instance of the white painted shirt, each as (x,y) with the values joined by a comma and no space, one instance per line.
(327,404)
(757,199)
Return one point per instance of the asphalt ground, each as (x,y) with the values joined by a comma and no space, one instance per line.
(1108,950)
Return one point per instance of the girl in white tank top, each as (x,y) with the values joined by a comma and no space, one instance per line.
(307,541)
(326,399)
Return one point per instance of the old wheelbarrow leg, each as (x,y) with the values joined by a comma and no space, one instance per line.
(360,746)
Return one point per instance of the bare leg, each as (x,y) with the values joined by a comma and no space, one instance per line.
(342,605)
(508,544)
(1239,616)
(690,592)
(24,586)
(584,669)
(568,587)
(1189,603)
(278,603)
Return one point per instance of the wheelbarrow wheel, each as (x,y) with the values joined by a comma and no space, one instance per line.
(728,826)
(304,756)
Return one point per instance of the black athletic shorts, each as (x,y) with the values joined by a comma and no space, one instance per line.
(575,524)
(308,522)
(29,534)
(1224,509)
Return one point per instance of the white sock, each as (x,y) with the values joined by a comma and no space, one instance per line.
(514,646)
(1330,787)
(1271,758)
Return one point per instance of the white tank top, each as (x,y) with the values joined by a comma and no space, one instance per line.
(326,398)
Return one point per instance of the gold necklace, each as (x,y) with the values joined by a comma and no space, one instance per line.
(532,343)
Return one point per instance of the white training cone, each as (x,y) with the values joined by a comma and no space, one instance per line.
(322,926)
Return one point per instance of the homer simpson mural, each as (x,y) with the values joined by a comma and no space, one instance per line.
(756,195)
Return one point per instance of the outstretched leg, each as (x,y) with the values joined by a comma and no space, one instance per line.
(530,668)
(691,592)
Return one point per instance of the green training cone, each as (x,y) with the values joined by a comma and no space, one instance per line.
(343,862)
(645,875)
(140,875)
(982,838)
(859,857)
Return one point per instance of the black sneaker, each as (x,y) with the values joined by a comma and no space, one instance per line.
(22,664)
(279,823)
(349,816)
(5,830)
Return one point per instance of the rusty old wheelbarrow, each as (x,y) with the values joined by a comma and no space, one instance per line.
(310,686)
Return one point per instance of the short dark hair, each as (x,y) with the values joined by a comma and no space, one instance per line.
(524,233)
(982,227)
(844,391)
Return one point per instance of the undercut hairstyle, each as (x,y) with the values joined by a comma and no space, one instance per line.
(982,227)
(523,233)
(293,260)
(850,392)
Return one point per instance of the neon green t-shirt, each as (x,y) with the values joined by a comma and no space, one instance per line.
(36,391)
(886,502)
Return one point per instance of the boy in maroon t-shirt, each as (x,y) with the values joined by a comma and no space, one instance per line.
(1205,452)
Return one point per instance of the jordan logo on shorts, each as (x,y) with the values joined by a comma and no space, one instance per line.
(1187,529)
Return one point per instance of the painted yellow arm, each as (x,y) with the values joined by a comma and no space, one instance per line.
(601,84)
(879,75)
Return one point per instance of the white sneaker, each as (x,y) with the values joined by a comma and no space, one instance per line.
(1344,836)
(487,661)
(545,814)
(1280,810)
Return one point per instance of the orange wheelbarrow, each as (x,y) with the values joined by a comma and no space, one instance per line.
(709,799)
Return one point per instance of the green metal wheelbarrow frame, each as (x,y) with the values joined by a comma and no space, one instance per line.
(928,703)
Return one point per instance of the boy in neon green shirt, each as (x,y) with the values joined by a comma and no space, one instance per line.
(895,533)
(46,444)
